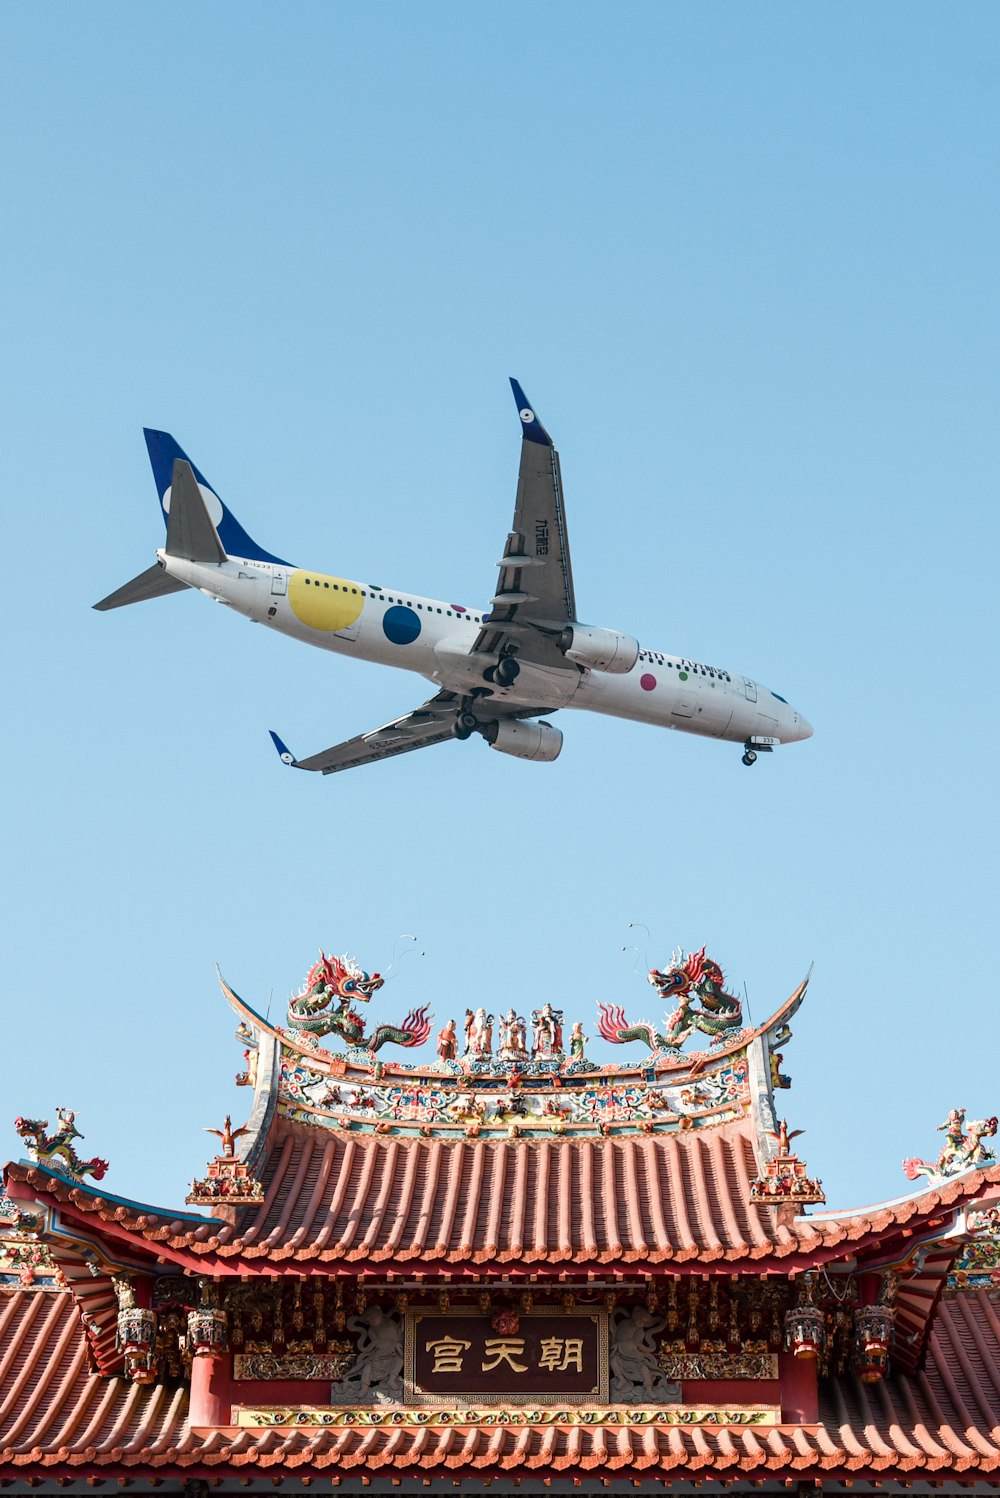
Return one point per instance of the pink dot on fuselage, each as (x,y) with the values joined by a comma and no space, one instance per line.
(647,682)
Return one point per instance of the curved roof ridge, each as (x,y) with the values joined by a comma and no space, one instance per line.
(990,1175)
(740,1040)
(95,1190)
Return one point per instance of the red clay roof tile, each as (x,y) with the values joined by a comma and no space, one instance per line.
(56,1419)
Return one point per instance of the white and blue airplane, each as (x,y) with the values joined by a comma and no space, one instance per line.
(497,670)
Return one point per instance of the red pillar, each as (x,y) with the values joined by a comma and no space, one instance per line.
(799,1390)
(211,1390)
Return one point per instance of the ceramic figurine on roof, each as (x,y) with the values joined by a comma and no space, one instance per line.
(56,1150)
(228,1181)
(963,1148)
(513,1031)
(324,1007)
(783,1177)
(695,982)
(479,1034)
(546,1034)
(229,1136)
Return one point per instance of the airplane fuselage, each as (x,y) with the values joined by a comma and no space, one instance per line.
(435,639)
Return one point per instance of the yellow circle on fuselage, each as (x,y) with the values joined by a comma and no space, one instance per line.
(323,602)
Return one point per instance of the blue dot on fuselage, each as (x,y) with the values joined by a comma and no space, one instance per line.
(401,625)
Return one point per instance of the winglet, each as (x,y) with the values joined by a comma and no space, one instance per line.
(531,428)
(284,753)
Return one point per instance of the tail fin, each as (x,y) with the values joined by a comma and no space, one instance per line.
(164,452)
(153,583)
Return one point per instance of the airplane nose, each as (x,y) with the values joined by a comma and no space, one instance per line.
(802,728)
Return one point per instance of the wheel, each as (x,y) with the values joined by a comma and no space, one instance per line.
(462,733)
(490,674)
(507,671)
(466,723)
(749,758)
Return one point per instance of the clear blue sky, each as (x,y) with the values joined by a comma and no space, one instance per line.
(744,260)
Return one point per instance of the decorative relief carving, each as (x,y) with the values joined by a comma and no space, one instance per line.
(728,1365)
(376,1375)
(330,1365)
(319,1415)
(636,1377)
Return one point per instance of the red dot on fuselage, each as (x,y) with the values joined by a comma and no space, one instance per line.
(647,682)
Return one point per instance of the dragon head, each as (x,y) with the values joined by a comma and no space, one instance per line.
(685,972)
(674,979)
(31,1128)
(343,978)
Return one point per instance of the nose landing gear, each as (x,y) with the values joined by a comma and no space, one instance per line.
(756,746)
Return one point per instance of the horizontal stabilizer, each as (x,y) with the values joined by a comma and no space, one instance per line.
(153,583)
(191,534)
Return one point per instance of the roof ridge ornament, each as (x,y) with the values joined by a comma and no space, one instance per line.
(783,1177)
(962,1150)
(55,1151)
(227,1181)
(695,982)
(323,1007)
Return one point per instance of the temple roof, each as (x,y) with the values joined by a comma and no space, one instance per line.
(676,1201)
(943,1423)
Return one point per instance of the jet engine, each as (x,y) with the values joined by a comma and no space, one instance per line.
(524,740)
(600,649)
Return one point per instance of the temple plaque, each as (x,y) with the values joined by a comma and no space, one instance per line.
(534,1355)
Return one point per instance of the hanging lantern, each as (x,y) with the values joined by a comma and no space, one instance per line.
(136,1338)
(207,1332)
(873,1326)
(805,1330)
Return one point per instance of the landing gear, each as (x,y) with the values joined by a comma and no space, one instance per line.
(504,673)
(755,745)
(466,724)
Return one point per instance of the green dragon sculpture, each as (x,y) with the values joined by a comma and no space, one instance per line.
(56,1150)
(324,1007)
(694,980)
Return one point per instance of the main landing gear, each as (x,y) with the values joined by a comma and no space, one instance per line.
(505,672)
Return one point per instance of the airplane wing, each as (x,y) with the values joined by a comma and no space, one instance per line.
(434,722)
(534,598)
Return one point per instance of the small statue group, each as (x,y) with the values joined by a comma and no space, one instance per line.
(547,1042)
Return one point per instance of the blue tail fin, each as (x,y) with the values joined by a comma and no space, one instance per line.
(163,450)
